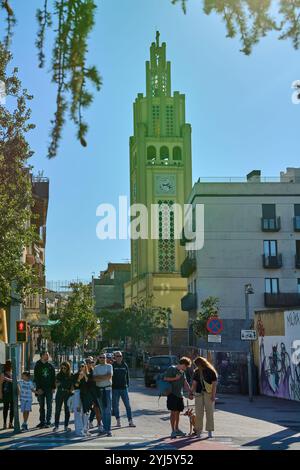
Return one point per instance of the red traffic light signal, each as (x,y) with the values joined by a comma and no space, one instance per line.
(21,331)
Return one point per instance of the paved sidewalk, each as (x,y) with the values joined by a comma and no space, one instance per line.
(266,423)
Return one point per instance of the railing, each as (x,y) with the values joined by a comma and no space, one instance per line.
(270,225)
(282,300)
(270,262)
(189,302)
(241,179)
(40,179)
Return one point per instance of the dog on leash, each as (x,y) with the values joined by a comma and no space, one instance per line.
(191,415)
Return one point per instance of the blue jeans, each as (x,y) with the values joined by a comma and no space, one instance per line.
(105,408)
(46,396)
(116,395)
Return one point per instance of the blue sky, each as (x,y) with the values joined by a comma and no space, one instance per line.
(239,107)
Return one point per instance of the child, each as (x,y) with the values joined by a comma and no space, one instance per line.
(26,388)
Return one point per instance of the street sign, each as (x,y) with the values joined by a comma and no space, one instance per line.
(214,325)
(21,331)
(214,338)
(248,335)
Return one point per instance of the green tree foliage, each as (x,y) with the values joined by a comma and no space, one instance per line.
(72,21)
(114,326)
(254,19)
(209,308)
(77,319)
(140,322)
(16,199)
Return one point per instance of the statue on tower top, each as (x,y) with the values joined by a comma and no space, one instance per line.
(157,38)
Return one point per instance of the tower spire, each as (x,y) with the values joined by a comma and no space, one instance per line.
(158,70)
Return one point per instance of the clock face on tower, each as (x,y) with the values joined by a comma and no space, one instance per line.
(165,184)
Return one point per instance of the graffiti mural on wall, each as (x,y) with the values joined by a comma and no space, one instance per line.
(279,375)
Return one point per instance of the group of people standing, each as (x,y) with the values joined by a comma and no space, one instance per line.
(202,387)
(94,391)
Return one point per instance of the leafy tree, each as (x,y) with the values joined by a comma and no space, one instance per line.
(209,308)
(72,22)
(254,19)
(144,321)
(16,200)
(77,319)
(113,325)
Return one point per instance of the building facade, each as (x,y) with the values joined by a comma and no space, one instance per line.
(108,289)
(161,174)
(251,236)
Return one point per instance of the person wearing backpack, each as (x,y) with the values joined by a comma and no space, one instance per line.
(204,388)
(175,376)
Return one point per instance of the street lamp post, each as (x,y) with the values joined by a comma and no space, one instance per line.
(248,291)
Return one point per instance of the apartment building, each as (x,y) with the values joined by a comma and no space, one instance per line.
(251,236)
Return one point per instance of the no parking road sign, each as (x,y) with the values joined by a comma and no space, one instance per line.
(214,325)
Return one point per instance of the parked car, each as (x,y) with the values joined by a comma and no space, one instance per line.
(157,365)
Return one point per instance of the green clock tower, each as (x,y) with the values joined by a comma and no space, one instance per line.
(160,173)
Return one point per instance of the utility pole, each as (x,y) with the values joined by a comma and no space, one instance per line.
(169,332)
(249,290)
(14,348)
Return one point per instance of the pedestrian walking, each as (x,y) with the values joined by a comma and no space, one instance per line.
(44,378)
(26,387)
(7,394)
(82,402)
(64,384)
(120,384)
(204,389)
(103,374)
(175,375)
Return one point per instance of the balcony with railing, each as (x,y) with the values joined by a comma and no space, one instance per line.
(289,299)
(189,302)
(188,266)
(272,262)
(270,225)
(297,223)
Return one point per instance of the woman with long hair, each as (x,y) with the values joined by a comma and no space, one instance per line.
(64,383)
(82,401)
(204,388)
(7,394)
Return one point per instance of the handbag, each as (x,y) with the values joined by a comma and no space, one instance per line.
(206,386)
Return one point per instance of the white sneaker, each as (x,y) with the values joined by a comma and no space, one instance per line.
(131,424)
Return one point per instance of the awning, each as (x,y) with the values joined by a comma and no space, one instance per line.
(44,323)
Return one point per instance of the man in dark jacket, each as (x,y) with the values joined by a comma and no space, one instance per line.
(120,384)
(44,378)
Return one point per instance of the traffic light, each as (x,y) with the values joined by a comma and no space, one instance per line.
(21,331)
(3,326)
